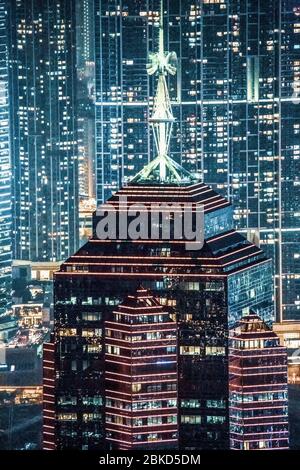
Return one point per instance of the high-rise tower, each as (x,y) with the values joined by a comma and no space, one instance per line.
(42,57)
(5,170)
(258,394)
(208,290)
(85,67)
(141,362)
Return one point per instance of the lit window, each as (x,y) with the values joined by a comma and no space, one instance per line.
(190,350)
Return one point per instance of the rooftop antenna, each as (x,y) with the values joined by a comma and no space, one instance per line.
(162,118)
(162,63)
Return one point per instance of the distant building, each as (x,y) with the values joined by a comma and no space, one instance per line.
(34,271)
(289,335)
(22,367)
(42,72)
(21,398)
(29,315)
(258,394)
(8,327)
(5,170)
(85,45)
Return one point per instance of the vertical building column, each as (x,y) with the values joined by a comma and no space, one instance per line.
(141,375)
(258,409)
(48,396)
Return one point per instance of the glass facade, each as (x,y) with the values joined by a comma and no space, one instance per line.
(251,288)
(5,171)
(235,99)
(42,57)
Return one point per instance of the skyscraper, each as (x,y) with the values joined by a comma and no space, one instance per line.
(5,170)
(258,396)
(209,290)
(42,58)
(86,113)
(141,362)
(235,101)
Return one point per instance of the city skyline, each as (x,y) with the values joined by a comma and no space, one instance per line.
(116,376)
(149,225)
(236,120)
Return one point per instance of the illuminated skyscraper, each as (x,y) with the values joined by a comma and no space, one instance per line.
(42,57)
(258,395)
(85,114)
(208,290)
(141,362)
(5,170)
(236,118)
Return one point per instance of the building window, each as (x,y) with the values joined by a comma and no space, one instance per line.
(91,316)
(154,388)
(190,403)
(215,351)
(154,420)
(91,332)
(96,400)
(67,416)
(136,387)
(152,437)
(65,400)
(190,350)
(190,419)
(215,403)
(94,348)
(113,350)
(90,417)
(67,332)
(215,419)
(253,78)
(191,286)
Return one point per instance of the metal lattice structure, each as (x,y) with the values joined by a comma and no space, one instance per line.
(162,168)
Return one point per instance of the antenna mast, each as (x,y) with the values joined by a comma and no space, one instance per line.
(162,118)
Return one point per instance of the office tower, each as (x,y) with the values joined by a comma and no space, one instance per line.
(289,125)
(85,114)
(208,289)
(141,375)
(236,100)
(85,31)
(42,57)
(5,171)
(258,396)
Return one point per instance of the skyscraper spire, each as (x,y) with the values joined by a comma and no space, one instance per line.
(162,168)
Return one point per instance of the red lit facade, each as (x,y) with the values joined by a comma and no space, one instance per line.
(141,375)
(258,404)
(48,397)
